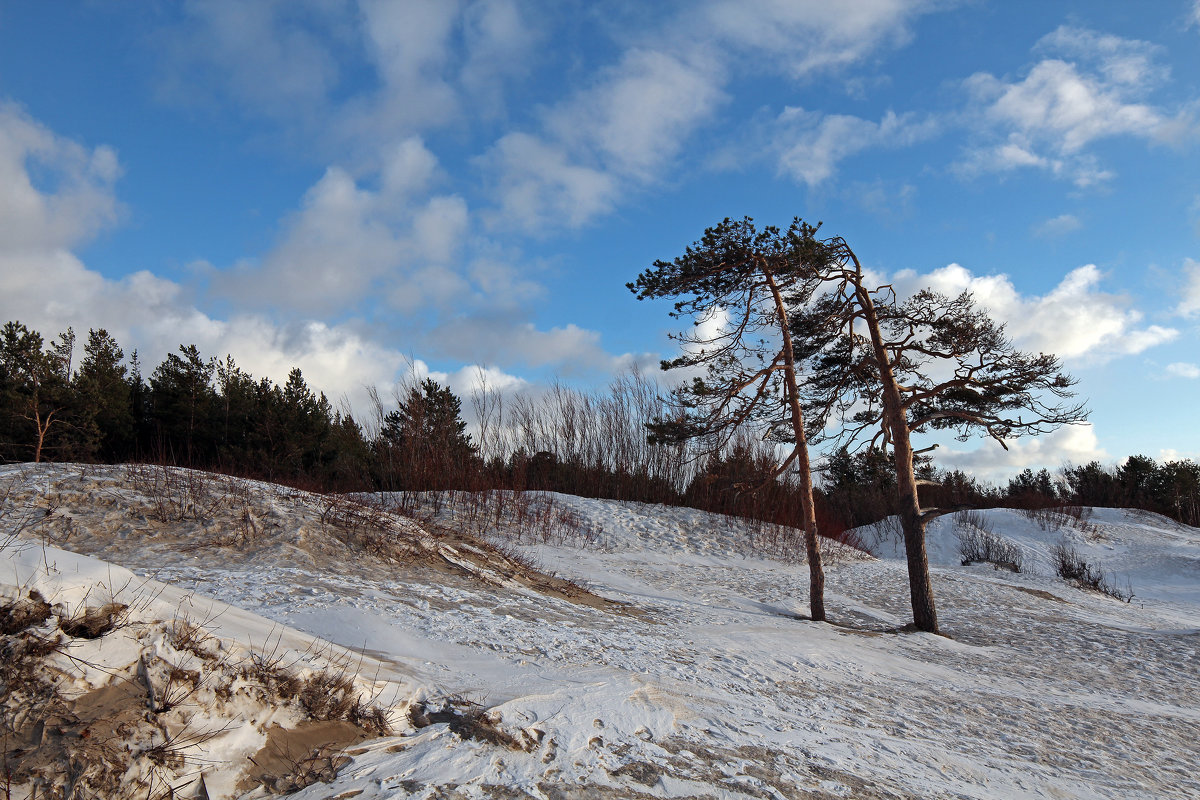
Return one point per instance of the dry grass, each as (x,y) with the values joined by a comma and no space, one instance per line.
(471,720)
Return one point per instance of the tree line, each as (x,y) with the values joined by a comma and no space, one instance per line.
(65,401)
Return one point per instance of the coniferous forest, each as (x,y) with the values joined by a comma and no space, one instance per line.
(85,399)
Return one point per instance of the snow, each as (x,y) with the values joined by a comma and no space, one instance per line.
(708,682)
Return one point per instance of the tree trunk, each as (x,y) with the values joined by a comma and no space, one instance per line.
(812,545)
(895,420)
(913,524)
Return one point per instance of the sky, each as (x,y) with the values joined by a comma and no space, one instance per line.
(361,188)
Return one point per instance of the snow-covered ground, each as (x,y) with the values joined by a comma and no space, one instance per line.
(701,680)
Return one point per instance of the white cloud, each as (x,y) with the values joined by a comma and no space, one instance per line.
(75,200)
(811,144)
(540,188)
(410,45)
(290,61)
(346,242)
(887,202)
(635,118)
(1058,226)
(499,39)
(51,290)
(1075,320)
(1181,369)
(804,37)
(1189,302)
(275,56)
(1089,87)
(569,349)
(616,135)
(622,131)
(1075,444)
(1193,20)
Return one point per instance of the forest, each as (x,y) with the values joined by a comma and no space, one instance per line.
(62,400)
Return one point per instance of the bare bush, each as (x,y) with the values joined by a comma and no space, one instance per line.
(1071,566)
(176,494)
(885,531)
(978,542)
(366,523)
(1062,516)
(324,694)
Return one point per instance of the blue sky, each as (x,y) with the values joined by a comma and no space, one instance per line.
(349,185)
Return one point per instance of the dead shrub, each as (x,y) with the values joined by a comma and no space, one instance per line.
(470,720)
(186,635)
(367,525)
(327,695)
(93,622)
(1071,566)
(320,765)
(979,543)
(26,612)
(176,494)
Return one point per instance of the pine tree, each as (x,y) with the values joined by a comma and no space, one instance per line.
(889,369)
(105,399)
(182,402)
(424,443)
(35,390)
(736,285)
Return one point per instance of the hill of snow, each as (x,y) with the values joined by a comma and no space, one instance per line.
(668,658)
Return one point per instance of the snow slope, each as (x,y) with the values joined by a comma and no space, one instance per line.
(1155,557)
(708,683)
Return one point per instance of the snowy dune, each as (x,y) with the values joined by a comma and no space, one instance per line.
(699,679)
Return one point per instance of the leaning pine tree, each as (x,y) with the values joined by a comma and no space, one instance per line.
(890,368)
(736,285)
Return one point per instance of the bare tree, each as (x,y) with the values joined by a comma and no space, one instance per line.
(736,285)
(888,369)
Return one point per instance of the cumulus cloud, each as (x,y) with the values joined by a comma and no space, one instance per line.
(636,115)
(50,290)
(539,187)
(1074,320)
(811,144)
(499,37)
(618,129)
(275,57)
(1089,86)
(1056,227)
(1074,444)
(347,241)
(569,349)
(71,200)
(618,133)
(1189,302)
(291,61)
(1181,369)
